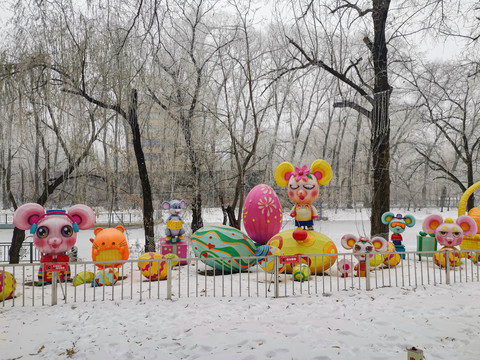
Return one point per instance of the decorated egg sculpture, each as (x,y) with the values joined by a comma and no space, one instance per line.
(262,214)
(316,243)
(107,277)
(8,285)
(440,258)
(391,259)
(376,260)
(154,265)
(220,247)
(266,259)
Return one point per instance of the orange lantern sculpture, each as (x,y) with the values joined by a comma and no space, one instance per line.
(110,245)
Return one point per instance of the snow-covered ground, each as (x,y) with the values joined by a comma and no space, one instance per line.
(442,320)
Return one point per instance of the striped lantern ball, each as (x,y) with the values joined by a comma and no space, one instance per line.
(301,272)
(266,258)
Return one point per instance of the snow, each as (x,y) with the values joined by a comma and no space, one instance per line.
(442,320)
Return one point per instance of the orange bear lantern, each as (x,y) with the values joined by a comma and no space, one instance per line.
(110,245)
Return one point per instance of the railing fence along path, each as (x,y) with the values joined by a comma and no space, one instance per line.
(197,279)
(115,217)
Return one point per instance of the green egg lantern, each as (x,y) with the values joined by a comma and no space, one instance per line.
(224,248)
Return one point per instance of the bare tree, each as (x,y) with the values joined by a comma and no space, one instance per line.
(50,129)
(183,45)
(449,108)
(243,72)
(376,94)
(99,77)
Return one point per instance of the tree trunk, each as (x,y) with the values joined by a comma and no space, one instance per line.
(148,223)
(380,140)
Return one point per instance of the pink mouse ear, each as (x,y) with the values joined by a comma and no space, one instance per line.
(27,215)
(83,216)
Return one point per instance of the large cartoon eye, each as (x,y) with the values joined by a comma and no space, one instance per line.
(456,233)
(42,232)
(357,247)
(294,186)
(369,248)
(67,231)
(308,186)
(443,233)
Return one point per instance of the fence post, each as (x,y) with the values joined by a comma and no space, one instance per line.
(275,267)
(31,252)
(54,284)
(169,279)
(447,266)
(367,273)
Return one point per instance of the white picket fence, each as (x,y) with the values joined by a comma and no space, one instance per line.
(199,280)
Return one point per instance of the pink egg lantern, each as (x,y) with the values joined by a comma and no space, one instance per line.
(262,214)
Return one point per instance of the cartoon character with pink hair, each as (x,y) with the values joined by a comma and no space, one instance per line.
(54,232)
(449,234)
(303,189)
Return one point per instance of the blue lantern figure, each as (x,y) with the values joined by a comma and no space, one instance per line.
(397,225)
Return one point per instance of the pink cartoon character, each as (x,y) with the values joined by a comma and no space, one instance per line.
(54,232)
(303,188)
(363,249)
(449,234)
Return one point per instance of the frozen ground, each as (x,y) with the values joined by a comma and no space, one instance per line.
(442,320)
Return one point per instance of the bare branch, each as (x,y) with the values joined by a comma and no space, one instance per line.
(439,167)
(338,75)
(349,5)
(354,106)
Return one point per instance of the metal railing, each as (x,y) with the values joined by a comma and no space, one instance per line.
(28,252)
(115,217)
(196,279)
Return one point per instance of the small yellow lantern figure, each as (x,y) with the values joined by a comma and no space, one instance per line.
(301,272)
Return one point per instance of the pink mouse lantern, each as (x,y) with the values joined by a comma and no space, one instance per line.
(54,231)
(449,234)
